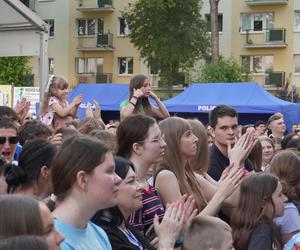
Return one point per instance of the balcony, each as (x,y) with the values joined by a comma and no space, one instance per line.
(96,6)
(275,79)
(266,2)
(102,42)
(267,38)
(95,78)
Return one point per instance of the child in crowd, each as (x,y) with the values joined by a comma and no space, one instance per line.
(55,100)
(208,233)
(260,200)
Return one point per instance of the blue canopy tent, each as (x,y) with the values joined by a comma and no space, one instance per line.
(109,97)
(250,100)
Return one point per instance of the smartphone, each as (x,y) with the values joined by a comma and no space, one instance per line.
(150,233)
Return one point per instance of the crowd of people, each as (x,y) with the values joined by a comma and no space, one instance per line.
(148,181)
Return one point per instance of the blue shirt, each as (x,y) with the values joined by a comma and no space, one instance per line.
(90,238)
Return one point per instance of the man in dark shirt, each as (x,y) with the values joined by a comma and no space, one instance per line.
(224,122)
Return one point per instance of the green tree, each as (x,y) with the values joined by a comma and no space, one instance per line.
(225,70)
(15,70)
(169,34)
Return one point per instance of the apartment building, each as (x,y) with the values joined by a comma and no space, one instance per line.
(89,41)
(262,35)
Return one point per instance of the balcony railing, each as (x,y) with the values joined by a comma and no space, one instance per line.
(102,42)
(266,2)
(275,79)
(95,6)
(266,38)
(95,78)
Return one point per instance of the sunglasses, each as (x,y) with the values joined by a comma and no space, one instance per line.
(11,139)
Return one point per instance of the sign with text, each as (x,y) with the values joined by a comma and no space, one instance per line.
(32,94)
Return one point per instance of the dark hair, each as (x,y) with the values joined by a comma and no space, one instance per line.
(35,154)
(106,137)
(67,133)
(24,242)
(137,82)
(3,165)
(7,112)
(33,130)
(260,122)
(255,156)
(254,189)
(219,112)
(8,123)
(19,215)
(75,154)
(131,130)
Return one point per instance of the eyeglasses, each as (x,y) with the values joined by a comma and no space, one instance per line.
(11,139)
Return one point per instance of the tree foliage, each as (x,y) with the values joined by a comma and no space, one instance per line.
(15,70)
(225,70)
(169,34)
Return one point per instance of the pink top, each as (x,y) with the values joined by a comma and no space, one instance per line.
(48,117)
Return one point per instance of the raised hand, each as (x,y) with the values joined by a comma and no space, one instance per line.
(77,100)
(138,93)
(22,108)
(97,111)
(89,111)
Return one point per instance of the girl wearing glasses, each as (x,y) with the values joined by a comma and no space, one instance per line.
(138,102)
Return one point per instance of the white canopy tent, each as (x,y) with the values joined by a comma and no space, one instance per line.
(23,33)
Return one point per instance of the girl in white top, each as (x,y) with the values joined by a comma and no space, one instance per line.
(55,100)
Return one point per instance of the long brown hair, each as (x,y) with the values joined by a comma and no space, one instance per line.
(173,128)
(285,165)
(255,156)
(56,82)
(255,189)
(200,162)
(137,82)
(19,215)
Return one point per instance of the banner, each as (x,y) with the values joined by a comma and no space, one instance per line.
(32,94)
(6,95)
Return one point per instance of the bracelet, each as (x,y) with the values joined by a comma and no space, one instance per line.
(132,103)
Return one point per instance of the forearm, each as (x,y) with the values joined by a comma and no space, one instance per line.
(65,111)
(213,206)
(129,108)
(162,108)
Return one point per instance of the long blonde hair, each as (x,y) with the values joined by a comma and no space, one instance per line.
(173,128)
(55,82)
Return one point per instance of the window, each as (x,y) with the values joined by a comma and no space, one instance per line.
(89,27)
(297,63)
(51,66)
(50,22)
(89,66)
(297,21)
(125,65)
(256,21)
(123,27)
(258,64)
(220,22)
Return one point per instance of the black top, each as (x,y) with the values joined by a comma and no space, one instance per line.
(218,163)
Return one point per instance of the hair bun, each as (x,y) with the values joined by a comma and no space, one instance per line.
(15,175)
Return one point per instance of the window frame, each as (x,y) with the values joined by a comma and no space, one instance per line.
(252,17)
(53,27)
(208,22)
(296,12)
(86,65)
(294,58)
(251,63)
(86,26)
(126,66)
(126,28)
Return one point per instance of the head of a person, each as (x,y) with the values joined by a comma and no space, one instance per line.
(181,149)
(61,122)
(140,82)
(224,122)
(58,87)
(290,140)
(29,117)
(285,165)
(129,198)
(33,130)
(208,233)
(8,112)
(260,127)
(247,128)
(88,124)
(255,156)
(8,138)
(210,139)
(277,125)
(33,170)
(24,215)
(67,133)
(260,199)
(24,242)
(84,170)
(199,162)
(140,136)
(268,149)
(107,138)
